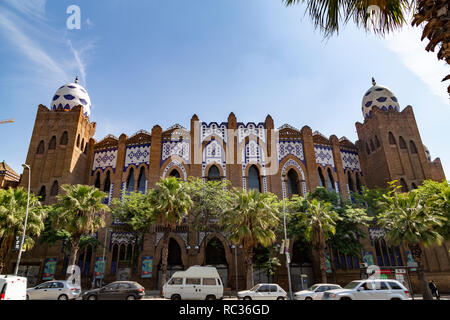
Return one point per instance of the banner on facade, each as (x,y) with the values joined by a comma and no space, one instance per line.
(411,262)
(147,266)
(368,258)
(328,263)
(49,269)
(99,268)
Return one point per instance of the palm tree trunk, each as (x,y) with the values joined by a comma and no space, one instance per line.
(74,250)
(164,256)
(249,268)
(5,249)
(323,271)
(416,252)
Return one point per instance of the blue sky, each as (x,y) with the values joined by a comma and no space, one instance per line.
(166,60)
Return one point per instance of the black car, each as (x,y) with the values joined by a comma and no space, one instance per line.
(119,290)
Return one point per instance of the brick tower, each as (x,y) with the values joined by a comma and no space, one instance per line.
(58,152)
(390,146)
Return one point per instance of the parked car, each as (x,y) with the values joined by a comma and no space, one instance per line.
(196,283)
(315,292)
(379,289)
(54,290)
(13,287)
(119,290)
(263,291)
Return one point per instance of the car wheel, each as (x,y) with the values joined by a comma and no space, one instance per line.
(395,299)
(211,297)
(280,298)
(28,297)
(131,297)
(308,298)
(345,298)
(175,297)
(92,297)
(63,297)
(247,298)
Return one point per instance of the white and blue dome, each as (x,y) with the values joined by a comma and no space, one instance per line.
(427,153)
(381,97)
(70,96)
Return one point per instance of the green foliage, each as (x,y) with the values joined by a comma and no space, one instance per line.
(79,210)
(170,202)
(371,199)
(13,205)
(210,199)
(406,217)
(329,15)
(252,218)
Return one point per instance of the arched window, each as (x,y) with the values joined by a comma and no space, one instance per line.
(412,147)
(377,142)
(330,182)
(175,173)
(82,145)
(413,186)
(141,180)
(85,148)
(358,183)
(213,174)
(367,148)
(122,251)
(97,180)
(78,141)
(321,177)
(351,186)
(64,139)
(391,138)
(41,147)
(114,259)
(42,194)
(403,185)
(254,181)
(292,182)
(107,185)
(402,143)
(55,189)
(372,146)
(52,143)
(130,181)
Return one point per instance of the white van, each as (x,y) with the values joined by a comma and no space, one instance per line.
(195,283)
(13,288)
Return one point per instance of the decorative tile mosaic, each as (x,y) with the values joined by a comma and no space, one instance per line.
(213,129)
(294,148)
(171,148)
(288,164)
(244,131)
(324,155)
(175,164)
(121,238)
(104,159)
(350,160)
(137,155)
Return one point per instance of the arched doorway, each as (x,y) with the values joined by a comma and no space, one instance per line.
(174,261)
(301,265)
(215,256)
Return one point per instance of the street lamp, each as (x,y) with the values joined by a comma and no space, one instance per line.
(285,239)
(104,262)
(25,166)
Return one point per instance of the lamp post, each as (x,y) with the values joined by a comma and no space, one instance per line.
(285,239)
(236,266)
(104,253)
(25,166)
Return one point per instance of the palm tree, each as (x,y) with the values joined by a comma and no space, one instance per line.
(435,15)
(405,219)
(251,222)
(319,220)
(329,15)
(80,212)
(13,204)
(170,202)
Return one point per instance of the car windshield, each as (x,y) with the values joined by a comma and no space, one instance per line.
(255,288)
(352,285)
(312,288)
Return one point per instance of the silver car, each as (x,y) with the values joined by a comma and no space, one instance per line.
(54,290)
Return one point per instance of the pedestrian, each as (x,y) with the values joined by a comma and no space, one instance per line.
(434,289)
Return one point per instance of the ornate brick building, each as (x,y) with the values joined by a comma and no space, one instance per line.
(250,155)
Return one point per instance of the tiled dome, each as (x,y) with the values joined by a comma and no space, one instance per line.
(70,96)
(427,153)
(378,96)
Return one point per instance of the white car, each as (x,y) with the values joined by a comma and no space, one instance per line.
(54,290)
(263,291)
(379,289)
(315,292)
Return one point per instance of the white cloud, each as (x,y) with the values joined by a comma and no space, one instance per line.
(407,45)
(32,8)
